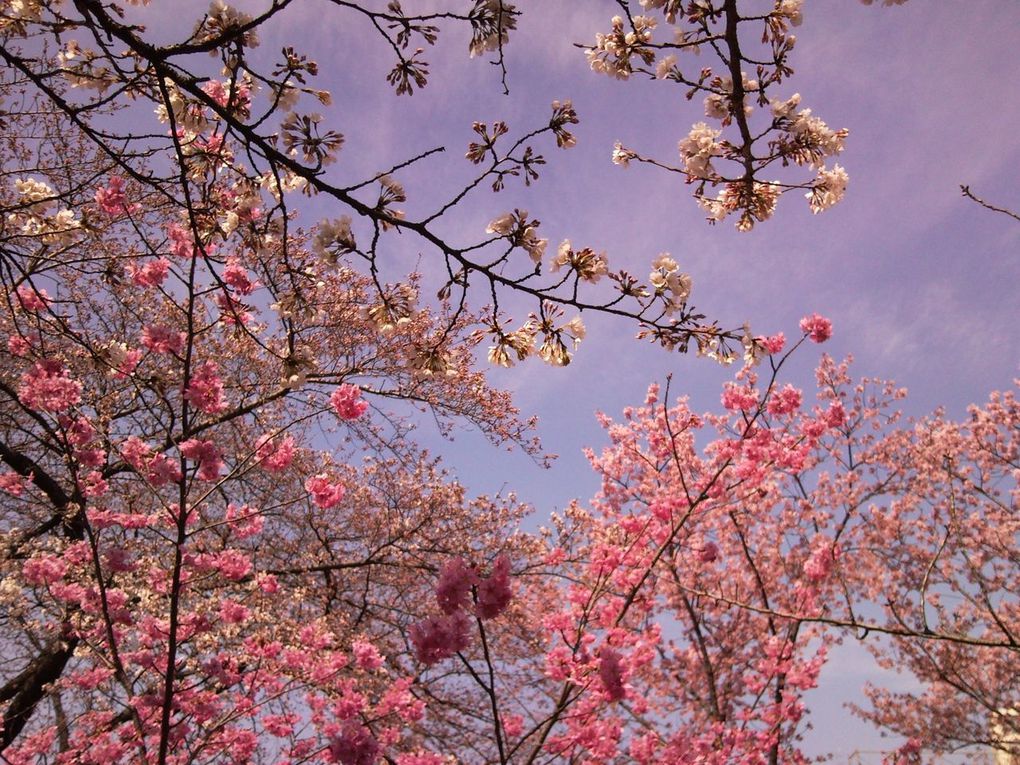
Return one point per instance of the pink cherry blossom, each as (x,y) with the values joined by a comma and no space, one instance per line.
(206,454)
(611,673)
(112,200)
(273,456)
(440,637)
(205,389)
(325,493)
(150,274)
(48,387)
(160,339)
(453,590)
(30,298)
(494,592)
(354,745)
(347,403)
(13,483)
(816,327)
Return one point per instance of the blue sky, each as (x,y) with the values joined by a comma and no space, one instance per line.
(920,283)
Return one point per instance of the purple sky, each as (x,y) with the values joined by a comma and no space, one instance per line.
(920,283)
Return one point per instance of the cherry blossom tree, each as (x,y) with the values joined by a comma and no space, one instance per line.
(220,543)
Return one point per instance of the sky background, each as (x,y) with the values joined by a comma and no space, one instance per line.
(921,284)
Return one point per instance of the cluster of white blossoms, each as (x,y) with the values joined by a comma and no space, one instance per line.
(759,205)
(622,155)
(812,140)
(521,232)
(791,10)
(698,148)
(724,168)
(719,106)
(520,344)
(612,53)
(829,188)
(491,23)
(39,216)
(587,264)
(333,237)
(670,283)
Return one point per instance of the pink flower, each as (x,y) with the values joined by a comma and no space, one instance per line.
(233,564)
(45,569)
(18,345)
(494,593)
(354,745)
(611,674)
(13,483)
(162,339)
(784,401)
(739,398)
(181,243)
(275,457)
(366,655)
(708,552)
(135,453)
(32,299)
(773,343)
(440,637)
(820,562)
(236,276)
(152,274)
(325,494)
(453,590)
(112,199)
(207,456)
(232,612)
(205,389)
(347,403)
(816,327)
(47,387)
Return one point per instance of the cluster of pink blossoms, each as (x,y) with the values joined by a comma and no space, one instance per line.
(325,493)
(347,402)
(440,637)
(113,201)
(818,328)
(206,454)
(47,387)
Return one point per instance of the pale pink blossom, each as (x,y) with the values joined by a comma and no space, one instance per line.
(13,483)
(32,299)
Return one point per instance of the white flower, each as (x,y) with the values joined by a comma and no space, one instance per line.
(829,188)
(698,148)
(622,156)
(502,225)
(665,66)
